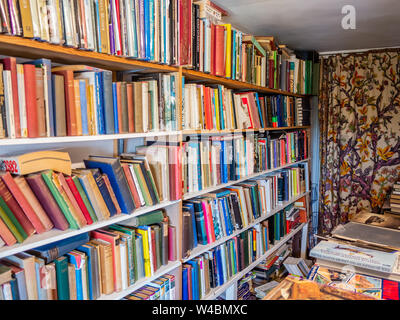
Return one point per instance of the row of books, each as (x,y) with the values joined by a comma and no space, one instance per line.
(41,199)
(210,161)
(37,100)
(218,214)
(87,266)
(179,32)
(217,107)
(163,288)
(216,266)
(221,49)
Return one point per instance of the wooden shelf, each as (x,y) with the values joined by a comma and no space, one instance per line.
(233,84)
(190,195)
(53,235)
(203,248)
(102,137)
(33,49)
(215,292)
(227,131)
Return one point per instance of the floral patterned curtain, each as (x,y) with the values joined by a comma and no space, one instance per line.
(359,106)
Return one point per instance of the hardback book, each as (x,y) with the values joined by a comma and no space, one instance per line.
(357,256)
(6,235)
(36,161)
(106,265)
(61,264)
(11,223)
(19,275)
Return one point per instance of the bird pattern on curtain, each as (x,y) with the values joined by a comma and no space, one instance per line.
(359,104)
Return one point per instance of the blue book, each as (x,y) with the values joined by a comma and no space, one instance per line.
(104,192)
(224,162)
(146,7)
(226,218)
(219,266)
(108,106)
(173,102)
(115,107)
(195,280)
(46,63)
(14,289)
(200,223)
(221,108)
(99,103)
(278,111)
(42,295)
(112,167)
(190,207)
(233,76)
(259,109)
(97,13)
(90,267)
(52,251)
(83,98)
(76,260)
(185,288)
(152,29)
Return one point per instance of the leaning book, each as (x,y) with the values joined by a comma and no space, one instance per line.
(352,255)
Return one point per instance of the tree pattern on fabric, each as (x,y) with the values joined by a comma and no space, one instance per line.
(360,137)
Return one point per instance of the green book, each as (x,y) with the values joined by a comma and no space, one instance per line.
(146,219)
(61,264)
(47,177)
(133,274)
(84,197)
(158,236)
(12,223)
(315,79)
(277,226)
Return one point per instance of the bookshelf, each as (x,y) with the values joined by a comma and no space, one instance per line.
(34,49)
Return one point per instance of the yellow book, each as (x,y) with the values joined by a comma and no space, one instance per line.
(294,182)
(26,17)
(146,251)
(228,58)
(216,108)
(78,107)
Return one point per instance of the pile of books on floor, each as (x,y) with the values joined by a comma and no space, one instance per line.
(394,199)
(163,288)
(39,100)
(361,256)
(90,265)
(38,195)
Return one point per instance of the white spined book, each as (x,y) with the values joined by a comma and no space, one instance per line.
(353,255)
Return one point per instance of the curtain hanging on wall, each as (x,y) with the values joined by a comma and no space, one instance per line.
(360,133)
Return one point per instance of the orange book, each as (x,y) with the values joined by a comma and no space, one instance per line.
(131,184)
(34,202)
(131,112)
(119,108)
(30,100)
(6,234)
(219,51)
(70,110)
(41,111)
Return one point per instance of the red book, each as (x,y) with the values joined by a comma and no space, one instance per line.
(131,185)
(185,27)
(175,179)
(116,3)
(10,63)
(16,209)
(271,73)
(24,204)
(6,234)
(207,108)
(43,194)
(70,110)
(30,100)
(131,115)
(213,44)
(78,199)
(219,51)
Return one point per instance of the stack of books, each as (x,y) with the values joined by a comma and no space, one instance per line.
(220,108)
(37,196)
(163,288)
(394,199)
(87,266)
(40,101)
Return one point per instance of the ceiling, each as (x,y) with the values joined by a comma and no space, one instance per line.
(316,24)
